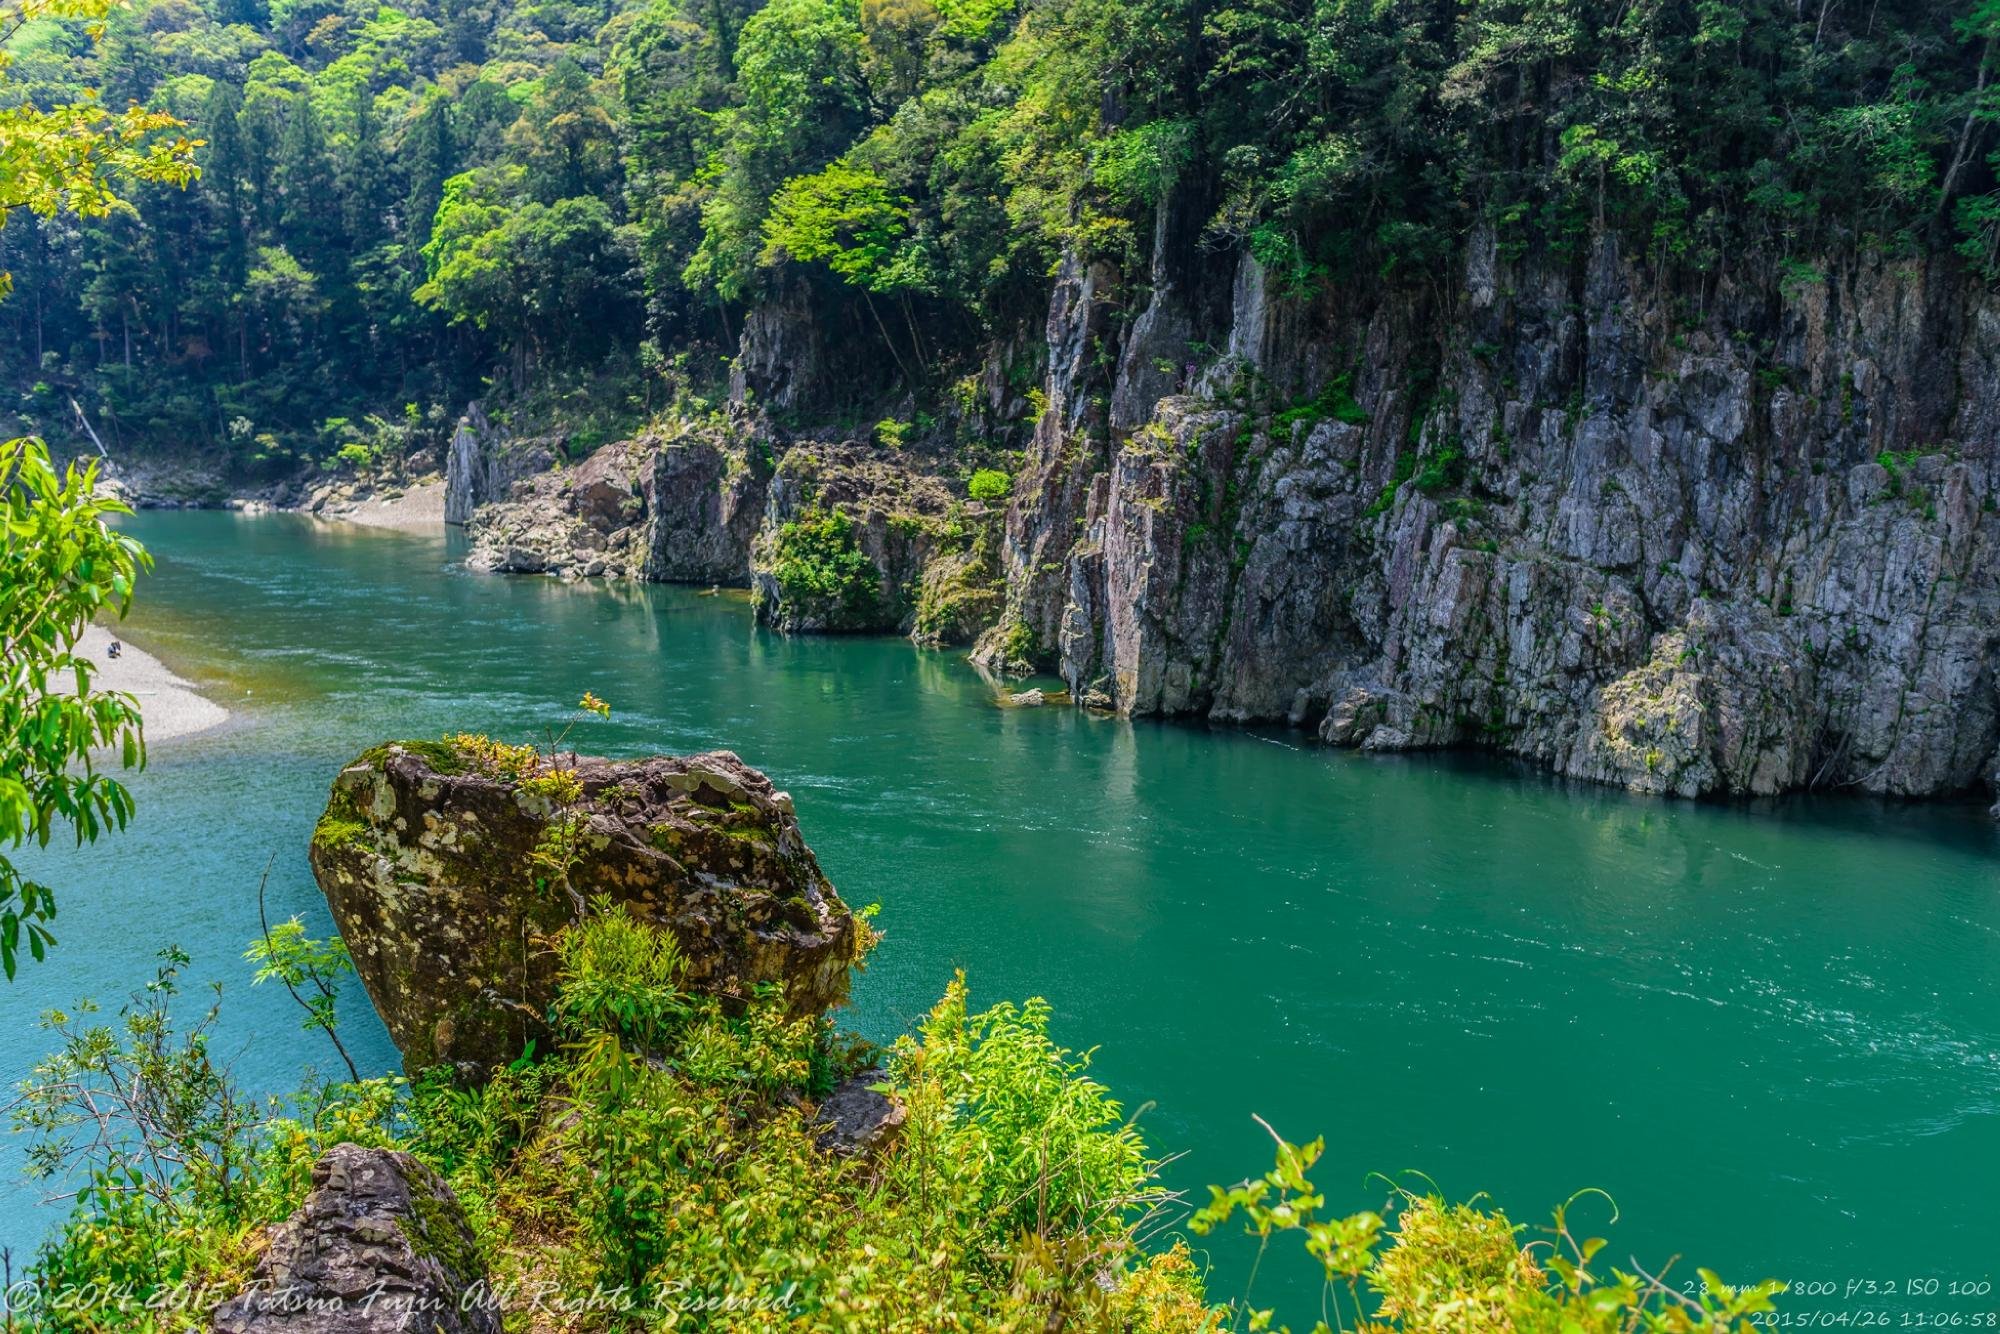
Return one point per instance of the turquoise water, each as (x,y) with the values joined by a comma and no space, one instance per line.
(1771,1033)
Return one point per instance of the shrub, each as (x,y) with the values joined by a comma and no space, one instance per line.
(666,1157)
(821,570)
(989,484)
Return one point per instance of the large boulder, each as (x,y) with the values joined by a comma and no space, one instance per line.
(380,1246)
(427,856)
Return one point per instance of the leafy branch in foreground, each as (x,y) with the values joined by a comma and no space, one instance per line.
(309,969)
(64,566)
(74,157)
(1463,1263)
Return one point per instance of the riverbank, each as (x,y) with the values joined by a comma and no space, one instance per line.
(417,509)
(171,707)
(182,483)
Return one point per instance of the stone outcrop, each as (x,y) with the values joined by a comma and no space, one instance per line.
(428,859)
(380,1246)
(1725,534)
(708,506)
(1642,549)
(708,495)
(857,1119)
(483,462)
(904,522)
(583,522)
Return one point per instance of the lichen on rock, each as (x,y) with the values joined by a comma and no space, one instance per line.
(428,856)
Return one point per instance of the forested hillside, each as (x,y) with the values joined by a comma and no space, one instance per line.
(585,200)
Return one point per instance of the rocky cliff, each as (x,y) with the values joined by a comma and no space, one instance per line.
(1721,536)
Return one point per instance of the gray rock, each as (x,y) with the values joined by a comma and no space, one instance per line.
(482,464)
(857,1121)
(380,1246)
(1638,555)
(709,492)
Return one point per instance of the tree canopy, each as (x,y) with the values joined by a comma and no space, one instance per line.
(399,202)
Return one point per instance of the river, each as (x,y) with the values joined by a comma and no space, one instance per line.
(1770,1032)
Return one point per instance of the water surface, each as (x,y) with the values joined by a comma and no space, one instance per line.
(1771,1033)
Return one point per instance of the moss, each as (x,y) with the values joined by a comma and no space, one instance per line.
(443,757)
(756,835)
(436,1231)
(333,832)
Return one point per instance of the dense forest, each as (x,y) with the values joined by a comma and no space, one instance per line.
(398,205)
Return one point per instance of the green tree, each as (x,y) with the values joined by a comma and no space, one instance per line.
(75,156)
(801,100)
(64,566)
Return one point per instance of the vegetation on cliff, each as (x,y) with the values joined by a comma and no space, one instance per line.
(396,202)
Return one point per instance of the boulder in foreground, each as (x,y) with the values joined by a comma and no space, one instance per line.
(381,1246)
(428,855)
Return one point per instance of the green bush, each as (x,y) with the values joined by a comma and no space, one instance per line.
(822,572)
(989,484)
(667,1149)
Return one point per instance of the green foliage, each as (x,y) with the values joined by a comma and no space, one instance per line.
(1012,1132)
(1334,402)
(989,484)
(401,204)
(172,1166)
(667,1153)
(76,156)
(310,971)
(63,567)
(821,570)
(844,218)
(1458,1266)
(622,978)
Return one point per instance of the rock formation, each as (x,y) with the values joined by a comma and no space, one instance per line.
(706,507)
(586,521)
(1732,538)
(482,464)
(1643,549)
(381,1246)
(428,856)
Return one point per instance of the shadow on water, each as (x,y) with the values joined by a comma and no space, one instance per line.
(1770,1032)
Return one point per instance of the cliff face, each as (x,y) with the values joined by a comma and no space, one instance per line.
(1735,538)
(1730,541)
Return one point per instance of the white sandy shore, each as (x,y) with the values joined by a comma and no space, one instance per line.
(169,705)
(418,510)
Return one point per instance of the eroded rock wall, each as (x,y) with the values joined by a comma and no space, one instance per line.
(1735,541)
(1724,536)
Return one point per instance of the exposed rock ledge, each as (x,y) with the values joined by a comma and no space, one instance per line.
(381,1246)
(427,859)
(1727,538)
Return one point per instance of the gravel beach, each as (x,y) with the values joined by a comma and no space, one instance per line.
(170,706)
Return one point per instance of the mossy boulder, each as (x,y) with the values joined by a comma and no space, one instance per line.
(428,856)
